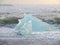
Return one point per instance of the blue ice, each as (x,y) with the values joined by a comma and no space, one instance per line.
(31,24)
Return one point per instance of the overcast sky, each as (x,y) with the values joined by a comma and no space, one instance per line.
(30,1)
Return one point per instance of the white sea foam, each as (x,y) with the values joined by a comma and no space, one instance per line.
(4,31)
(45,34)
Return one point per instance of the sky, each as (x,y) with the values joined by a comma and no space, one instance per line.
(30,1)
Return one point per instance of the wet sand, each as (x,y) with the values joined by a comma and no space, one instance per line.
(29,42)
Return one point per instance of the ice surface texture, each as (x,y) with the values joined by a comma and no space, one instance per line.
(30,24)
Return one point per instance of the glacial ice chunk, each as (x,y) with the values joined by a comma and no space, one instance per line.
(30,24)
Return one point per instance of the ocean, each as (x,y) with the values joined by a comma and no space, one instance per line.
(8,36)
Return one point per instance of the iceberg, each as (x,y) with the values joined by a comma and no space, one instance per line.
(30,24)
